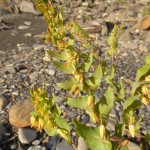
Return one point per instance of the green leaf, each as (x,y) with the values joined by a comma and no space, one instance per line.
(118,130)
(122,91)
(62,67)
(62,124)
(125,147)
(67,84)
(91,137)
(112,72)
(58,55)
(52,132)
(104,106)
(137,126)
(135,105)
(45,1)
(34,113)
(115,145)
(125,118)
(142,71)
(129,101)
(71,38)
(147,60)
(86,64)
(147,138)
(81,102)
(94,81)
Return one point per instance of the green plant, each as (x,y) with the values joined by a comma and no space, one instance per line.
(146,11)
(90,3)
(122,2)
(47,112)
(87,17)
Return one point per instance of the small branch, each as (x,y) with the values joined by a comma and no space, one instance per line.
(74,146)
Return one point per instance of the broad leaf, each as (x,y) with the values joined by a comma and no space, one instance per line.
(125,147)
(112,72)
(142,71)
(62,67)
(129,101)
(34,113)
(86,63)
(118,130)
(71,38)
(125,118)
(104,106)
(62,124)
(92,137)
(94,81)
(52,132)
(58,55)
(122,91)
(81,102)
(67,84)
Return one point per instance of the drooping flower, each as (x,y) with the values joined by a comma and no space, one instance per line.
(94,117)
(145,90)
(102,132)
(132,130)
(90,101)
(33,121)
(40,124)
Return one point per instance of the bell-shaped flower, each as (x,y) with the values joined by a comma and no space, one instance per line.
(132,130)
(102,132)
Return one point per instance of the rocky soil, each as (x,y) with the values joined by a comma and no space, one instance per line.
(24,63)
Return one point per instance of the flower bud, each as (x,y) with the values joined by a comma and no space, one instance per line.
(144,100)
(40,124)
(48,126)
(94,117)
(90,101)
(132,130)
(102,132)
(132,120)
(63,133)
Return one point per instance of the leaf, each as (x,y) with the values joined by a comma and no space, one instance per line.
(112,72)
(147,138)
(67,84)
(125,118)
(104,106)
(137,126)
(94,81)
(58,55)
(115,145)
(86,64)
(81,102)
(135,105)
(125,147)
(129,101)
(118,130)
(52,132)
(34,113)
(45,1)
(122,91)
(62,124)
(71,38)
(62,67)
(142,71)
(147,60)
(91,137)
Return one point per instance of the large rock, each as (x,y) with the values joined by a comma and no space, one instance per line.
(126,36)
(3,130)
(26,135)
(62,146)
(3,102)
(133,146)
(19,114)
(143,23)
(81,144)
(28,7)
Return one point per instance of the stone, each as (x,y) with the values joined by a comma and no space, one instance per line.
(143,23)
(110,126)
(133,146)
(37,147)
(85,119)
(26,135)
(23,27)
(19,114)
(28,6)
(28,35)
(72,114)
(62,146)
(39,46)
(3,130)
(51,71)
(91,27)
(130,45)
(33,76)
(51,144)
(104,30)
(4,12)
(126,36)
(36,142)
(59,99)
(143,48)
(10,69)
(81,144)
(3,102)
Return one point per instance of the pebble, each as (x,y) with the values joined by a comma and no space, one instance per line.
(3,102)
(51,71)
(26,135)
(81,144)
(72,114)
(62,146)
(37,147)
(23,27)
(130,45)
(3,131)
(51,144)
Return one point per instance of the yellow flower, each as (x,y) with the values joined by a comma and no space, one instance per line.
(33,121)
(132,130)
(94,117)
(40,124)
(132,120)
(145,90)
(74,88)
(90,101)
(78,76)
(70,55)
(63,133)
(144,100)
(68,63)
(102,132)
(147,78)
(48,126)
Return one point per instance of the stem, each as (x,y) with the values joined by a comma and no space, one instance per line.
(74,146)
